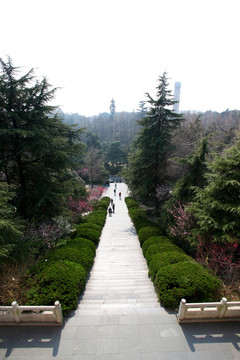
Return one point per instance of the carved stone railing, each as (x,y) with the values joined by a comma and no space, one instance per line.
(209,312)
(16,315)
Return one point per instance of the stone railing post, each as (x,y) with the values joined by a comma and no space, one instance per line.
(182,309)
(15,311)
(58,312)
(223,307)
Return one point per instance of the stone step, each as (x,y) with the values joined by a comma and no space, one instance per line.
(126,300)
(117,305)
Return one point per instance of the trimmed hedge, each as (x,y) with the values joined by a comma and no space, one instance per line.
(147,232)
(83,256)
(88,233)
(175,274)
(103,203)
(89,225)
(79,243)
(131,203)
(97,217)
(61,274)
(153,241)
(60,280)
(186,280)
(161,248)
(139,218)
(159,260)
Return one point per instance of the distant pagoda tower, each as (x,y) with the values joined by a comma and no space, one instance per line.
(177,88)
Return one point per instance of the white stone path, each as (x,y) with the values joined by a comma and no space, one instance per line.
(119,316)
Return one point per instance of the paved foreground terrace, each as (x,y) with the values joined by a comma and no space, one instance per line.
(119,316)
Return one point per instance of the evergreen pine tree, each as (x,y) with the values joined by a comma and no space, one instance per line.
(183,190)
(151,149)
(216,206)
(37,149)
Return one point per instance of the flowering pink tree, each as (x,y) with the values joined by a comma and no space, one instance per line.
(47,234)
(81,206)
(182,221)
(222,258)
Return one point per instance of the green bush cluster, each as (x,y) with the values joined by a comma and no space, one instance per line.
(174,274)
(131,203)
(154,240)
(59,280)
(161,259)
(187,280)
(138,216)
(103,203)
(61,274)
(147,232)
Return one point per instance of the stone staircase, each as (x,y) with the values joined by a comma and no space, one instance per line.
(119,279)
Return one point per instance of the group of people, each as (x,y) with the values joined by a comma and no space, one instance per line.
(111,208)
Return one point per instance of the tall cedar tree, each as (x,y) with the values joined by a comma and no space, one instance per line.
(37,150)
(151,149)
(216,206)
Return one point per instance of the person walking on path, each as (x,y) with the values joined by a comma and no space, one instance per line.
(110,211)
(114,192)
(113,208)
(111,200)
(120,194)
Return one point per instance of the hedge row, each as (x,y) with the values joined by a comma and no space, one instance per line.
(61,274)
(175,275)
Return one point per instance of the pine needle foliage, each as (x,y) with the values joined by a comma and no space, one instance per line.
(216,207)
(194,176)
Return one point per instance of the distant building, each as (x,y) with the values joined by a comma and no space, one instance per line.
(177,88)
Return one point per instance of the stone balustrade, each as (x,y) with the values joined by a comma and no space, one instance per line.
(16,315)
(209,312)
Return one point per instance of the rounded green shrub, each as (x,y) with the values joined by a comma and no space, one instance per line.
(83,256)
(147,232)
(104,202)
(160,248)
(139,220)
(79,243)
(61,280)
(90,234)
(85,225)
(97,217)
(186,280)
(131,203)
(159,260)
(89,225)
(141,223)
(154,240)
(99,212)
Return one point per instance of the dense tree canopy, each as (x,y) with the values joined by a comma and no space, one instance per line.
(37,150)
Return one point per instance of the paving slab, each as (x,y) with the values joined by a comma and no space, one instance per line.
(119,316)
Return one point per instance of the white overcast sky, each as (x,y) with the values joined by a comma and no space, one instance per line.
(96,50)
